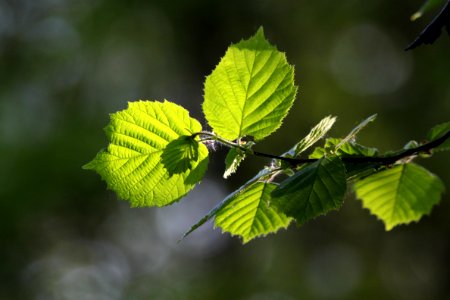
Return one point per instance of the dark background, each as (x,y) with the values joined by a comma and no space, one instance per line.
(65,65)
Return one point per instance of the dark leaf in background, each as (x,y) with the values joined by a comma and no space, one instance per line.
(431,33)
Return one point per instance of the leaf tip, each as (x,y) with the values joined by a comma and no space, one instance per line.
(388,227)
(415,16)
(88,166)
(260,32)
(93,164)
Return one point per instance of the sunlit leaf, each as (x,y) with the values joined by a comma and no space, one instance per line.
(249,214)
(312,191)
(211,214)
(401,194)
(141,138)
(351,136)
(232,161)
(313,136)
(250,91)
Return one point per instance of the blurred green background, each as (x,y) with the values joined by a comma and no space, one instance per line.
(65,65)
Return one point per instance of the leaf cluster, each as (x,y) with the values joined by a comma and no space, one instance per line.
(157,153)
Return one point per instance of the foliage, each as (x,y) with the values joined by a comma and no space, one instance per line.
(250,214)
(401,194)
(312,191)
(151,159)
(157,153)
(250,91)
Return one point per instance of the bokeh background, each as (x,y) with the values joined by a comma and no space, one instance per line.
(65,65)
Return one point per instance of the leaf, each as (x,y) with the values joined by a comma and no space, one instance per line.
(180,155)
(351,136)
(250,91)
(437,132)
(232,161)
(354,170)
(355,149)
(142,137)
(318,152)
(313,136)
(313,191)
(426,7)
(249,214)
(262,174)
(401,194)
(346,149)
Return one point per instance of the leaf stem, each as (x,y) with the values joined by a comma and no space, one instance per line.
(213,137)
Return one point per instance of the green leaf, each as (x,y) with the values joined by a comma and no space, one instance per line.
(427,6)
(354,170)
(180,155)
(151,159)
(318,152)
(232,161)
(351,136)
(261,175)
(355,149)
(250,91)
(313,191)
(437,132)
(313,136)
(346,149)
(401,194)
(249,214)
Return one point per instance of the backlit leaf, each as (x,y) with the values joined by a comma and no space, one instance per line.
(141,138)
(212,213)
(313,136)
(250,91)
(352,135)
(249,214)
(401,194)
(232,161)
